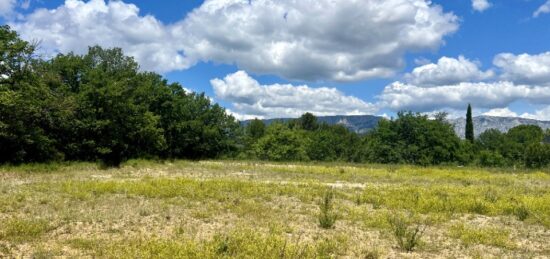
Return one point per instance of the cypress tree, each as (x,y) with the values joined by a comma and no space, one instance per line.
(469,125)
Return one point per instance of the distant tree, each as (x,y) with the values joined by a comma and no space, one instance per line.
(255,129)
(491,139)
(413,138)
(537,155)
(525,134)
(308,122)
(333,143)
(469,125)
(281,143)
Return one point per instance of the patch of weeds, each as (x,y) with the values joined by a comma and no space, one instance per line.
(407,233)
(144,212)
(375,201)
(491,195)
(393,168)
(521,212)
(485,236)
(479,207)
(377,219)
(24,230)
(327,216)
(372,253)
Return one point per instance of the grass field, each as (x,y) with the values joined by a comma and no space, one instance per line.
(217,209)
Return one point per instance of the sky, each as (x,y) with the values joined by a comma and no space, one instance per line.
(282,58)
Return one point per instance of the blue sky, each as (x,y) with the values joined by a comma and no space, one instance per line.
(497,52)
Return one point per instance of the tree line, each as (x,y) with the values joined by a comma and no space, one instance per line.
(100,107)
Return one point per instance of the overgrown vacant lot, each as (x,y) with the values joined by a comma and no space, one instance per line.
(249,209)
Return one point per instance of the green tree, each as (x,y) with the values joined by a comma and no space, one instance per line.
(281,143)
(491,139)
(255,129)
(469,125)
(29,111)
(333,143)
(308,122)
(413,138)
(537,155)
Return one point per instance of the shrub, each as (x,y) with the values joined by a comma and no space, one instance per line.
(327,217)
(407,234)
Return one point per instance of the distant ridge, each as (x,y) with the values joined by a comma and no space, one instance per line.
(503,124)
(365,123)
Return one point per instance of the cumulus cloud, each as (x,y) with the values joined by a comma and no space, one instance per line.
(253,99)
(400,96)
(448,71)
(480,5)
(76,24)
(524,68)
(545,8)
(542,114)
(306,40)
(501,112)
(315,39)
(7,7)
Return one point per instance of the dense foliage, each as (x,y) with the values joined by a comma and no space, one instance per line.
(100,106)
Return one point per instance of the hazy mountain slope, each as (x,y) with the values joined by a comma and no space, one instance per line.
(503,124)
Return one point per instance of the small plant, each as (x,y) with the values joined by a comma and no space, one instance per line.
(327,217)
(521,212)
(372,254)
(479,207)
(408,236)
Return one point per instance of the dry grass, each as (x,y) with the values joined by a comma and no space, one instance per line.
(215,209)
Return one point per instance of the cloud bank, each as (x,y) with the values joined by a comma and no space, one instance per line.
(253,99)
(303,40)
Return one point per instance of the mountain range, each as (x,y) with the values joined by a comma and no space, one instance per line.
(365,123)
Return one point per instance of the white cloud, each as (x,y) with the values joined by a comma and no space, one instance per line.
(501,112)
(542,114)
(7,7)
(480,5)
(400,96)
(448,71)
(545,8)
(307,40)
(243,117)
(315,39)
(76,24)
(252,99)
(524,68)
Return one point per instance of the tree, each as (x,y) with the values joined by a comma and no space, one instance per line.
(281,143)
(537,155)
(256,129)
(469,125)
(308,122)
(29,111)
(413,138)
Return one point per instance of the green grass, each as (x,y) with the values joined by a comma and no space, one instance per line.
(249,209)
(470,235)
(19,230)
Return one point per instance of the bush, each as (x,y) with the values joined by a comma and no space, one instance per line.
(491,159)
(537,155)
(327,217)
(407,234)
